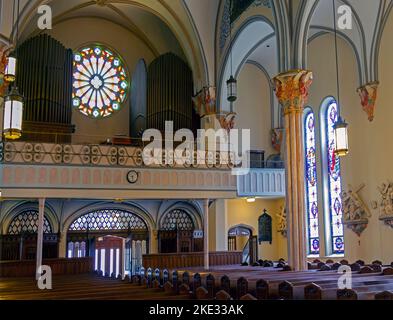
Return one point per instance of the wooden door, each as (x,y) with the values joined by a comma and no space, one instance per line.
(110,255)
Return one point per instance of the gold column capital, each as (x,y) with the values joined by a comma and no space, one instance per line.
(368,97)
(291,89)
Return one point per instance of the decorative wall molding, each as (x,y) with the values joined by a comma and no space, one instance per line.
(355,211)
(83,177)
(386,203)
(98,155)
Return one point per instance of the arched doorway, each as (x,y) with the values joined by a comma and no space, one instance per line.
(241,238)
(176,233)
(20,242)
(116,239)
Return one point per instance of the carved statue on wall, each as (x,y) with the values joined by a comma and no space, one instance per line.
(355,211)
(282,221)
(386,203)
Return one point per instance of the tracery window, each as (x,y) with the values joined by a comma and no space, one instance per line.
(177,219)
(108,219)
(311,184)
(27,222)
(100,82)
(332,173)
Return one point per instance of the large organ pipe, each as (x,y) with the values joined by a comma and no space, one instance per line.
(45,79)
(169,93)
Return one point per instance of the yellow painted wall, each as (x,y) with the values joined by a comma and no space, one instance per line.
(239,211)
(253,107)
(371,150)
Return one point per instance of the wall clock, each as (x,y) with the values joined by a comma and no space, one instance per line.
(132,176)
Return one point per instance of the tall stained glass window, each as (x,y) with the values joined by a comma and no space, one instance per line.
(311,184)
(100,82)
(334,181)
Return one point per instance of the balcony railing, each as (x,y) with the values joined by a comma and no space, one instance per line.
(262,182)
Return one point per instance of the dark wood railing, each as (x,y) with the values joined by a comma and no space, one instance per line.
(60,266)
(190,259)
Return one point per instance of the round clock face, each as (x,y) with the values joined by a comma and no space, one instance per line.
(132,176)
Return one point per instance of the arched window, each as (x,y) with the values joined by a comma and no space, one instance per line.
(332,179)
(100,82)
(27,222)
(311,183)
(108,219)
(177,220)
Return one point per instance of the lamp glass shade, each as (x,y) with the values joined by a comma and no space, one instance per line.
(341,138)
(10,69)
(13,112)
(231,89)
(251,199)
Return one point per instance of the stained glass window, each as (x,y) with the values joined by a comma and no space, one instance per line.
(311,184)
(100,82)
(27,222)
(334,181)
(177,220)
(108,219)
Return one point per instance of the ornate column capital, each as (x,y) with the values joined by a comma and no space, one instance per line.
(291,89)
(368,97)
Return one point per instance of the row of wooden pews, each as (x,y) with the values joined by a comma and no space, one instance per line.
(373,281)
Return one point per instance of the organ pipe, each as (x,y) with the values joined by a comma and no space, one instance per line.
(45,80)
(169,93)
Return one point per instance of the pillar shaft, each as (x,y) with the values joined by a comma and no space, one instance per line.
(40,235)
(206,233)
(292,90)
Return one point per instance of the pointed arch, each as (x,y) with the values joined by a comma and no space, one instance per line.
(311,185)
(331,171)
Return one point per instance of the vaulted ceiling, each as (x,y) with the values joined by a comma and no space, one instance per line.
(198,29)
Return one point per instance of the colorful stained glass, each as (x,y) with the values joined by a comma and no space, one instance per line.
(100,82)
(334,182)
(311,184)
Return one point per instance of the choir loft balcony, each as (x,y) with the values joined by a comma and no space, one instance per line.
(105,171)
(118,171)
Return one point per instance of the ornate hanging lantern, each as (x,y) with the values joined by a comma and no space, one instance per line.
(10,69)
(13,111)
(341,137)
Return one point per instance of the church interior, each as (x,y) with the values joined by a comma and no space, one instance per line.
(84,82)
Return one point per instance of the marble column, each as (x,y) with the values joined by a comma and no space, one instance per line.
(292,91)
(40,235)
(206,233)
